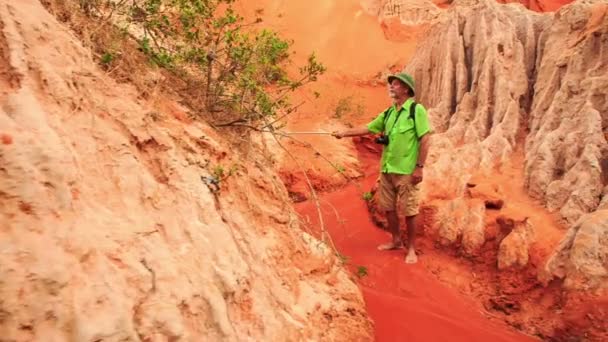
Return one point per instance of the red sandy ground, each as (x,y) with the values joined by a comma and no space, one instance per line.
(406,302)
(447,296)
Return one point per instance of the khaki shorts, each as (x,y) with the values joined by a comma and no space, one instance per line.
(395,190)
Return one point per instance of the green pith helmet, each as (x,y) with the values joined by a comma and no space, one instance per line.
(405,78)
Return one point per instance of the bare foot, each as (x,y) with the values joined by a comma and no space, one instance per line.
(390,246)
(411,257)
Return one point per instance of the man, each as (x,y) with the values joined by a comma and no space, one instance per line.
(402,161)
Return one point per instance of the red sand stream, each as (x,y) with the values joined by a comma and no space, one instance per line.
(406,302)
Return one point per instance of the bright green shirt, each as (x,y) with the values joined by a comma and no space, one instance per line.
(401,153)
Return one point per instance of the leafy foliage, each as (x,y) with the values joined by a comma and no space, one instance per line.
(243,69)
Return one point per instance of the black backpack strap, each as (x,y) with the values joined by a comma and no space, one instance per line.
(413,112)
(386,118)
(386,115)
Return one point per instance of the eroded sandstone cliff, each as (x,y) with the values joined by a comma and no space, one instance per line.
(500,80)
(118,221)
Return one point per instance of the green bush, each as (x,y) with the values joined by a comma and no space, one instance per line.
(242,68)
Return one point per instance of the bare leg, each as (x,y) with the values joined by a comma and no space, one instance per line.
(411,257)
(393,227)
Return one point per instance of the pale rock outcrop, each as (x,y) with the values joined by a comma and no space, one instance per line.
(461,220)
(478,76)
(473,234)
(474,73)
(487,86)
(450,220)
(473,68)
(581,259)
(490,88)
(514,249)
(408,12)
(566,150)
(115,226)
(567,145)
(403,20)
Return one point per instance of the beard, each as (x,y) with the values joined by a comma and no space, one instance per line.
(393,96)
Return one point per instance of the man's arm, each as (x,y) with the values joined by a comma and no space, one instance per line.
(424,149)
(423,131)
(353,132)
(376,126)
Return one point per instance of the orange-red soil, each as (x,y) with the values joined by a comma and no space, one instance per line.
(406,302)
(447,296)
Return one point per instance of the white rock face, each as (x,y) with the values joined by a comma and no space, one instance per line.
(111,230)
(491,88)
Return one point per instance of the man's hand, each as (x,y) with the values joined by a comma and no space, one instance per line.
(338,135)
(417,175)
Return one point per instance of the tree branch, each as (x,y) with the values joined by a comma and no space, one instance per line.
(289,111)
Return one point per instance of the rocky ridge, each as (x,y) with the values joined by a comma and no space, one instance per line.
(493,92)
(121,220)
